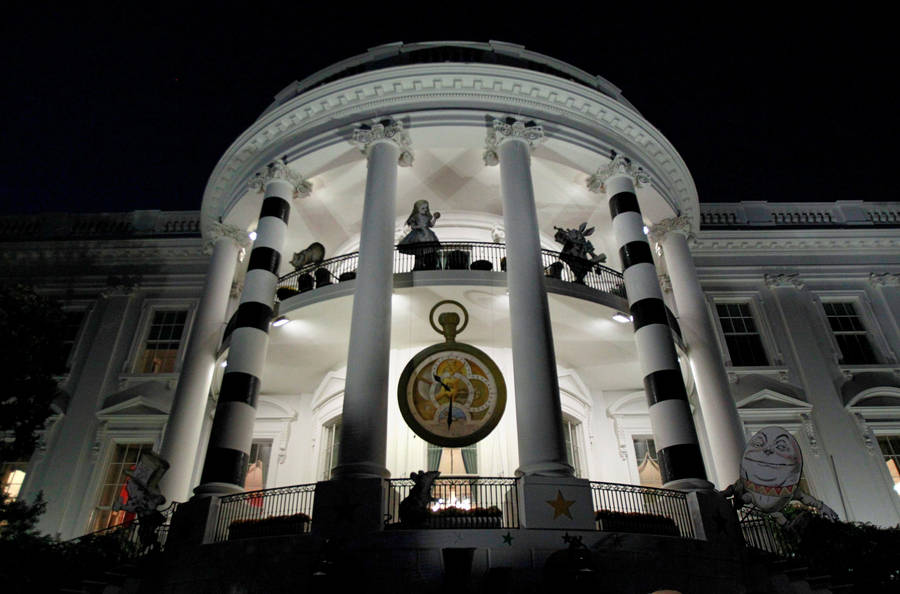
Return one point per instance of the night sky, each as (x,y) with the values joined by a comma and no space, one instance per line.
(117,110)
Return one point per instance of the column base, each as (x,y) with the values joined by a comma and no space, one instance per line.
(557,469)
(361,470)
(557,503)
(194,522)
(714,518)
(216,490)
(690,484)
(348,507)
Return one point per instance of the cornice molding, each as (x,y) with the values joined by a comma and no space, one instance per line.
(619,165)
(509,128)
(387,130)
(322,116)
(757,242)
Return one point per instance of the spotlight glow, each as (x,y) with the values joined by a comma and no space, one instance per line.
(621,318)
(252,236)
(280,322)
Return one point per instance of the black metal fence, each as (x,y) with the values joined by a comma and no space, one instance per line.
(460,502)
(132,539)
(763,533)
(647,510)
(268,512)
(452,256)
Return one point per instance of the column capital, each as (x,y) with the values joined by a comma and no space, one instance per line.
(501,130)
(665,283)
(387,130)
(680,224)
(278,170)
(618,165)
(219,230)
(790,279)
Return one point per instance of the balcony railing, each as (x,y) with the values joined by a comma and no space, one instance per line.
(761,532)
(268,512)
(460,502)
(633,508)
(449,256)
(131,539)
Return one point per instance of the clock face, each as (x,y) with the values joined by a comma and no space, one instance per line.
(452,394)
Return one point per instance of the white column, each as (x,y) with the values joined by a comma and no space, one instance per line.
(364,418)
(542,449)
(181,440)
(723,424)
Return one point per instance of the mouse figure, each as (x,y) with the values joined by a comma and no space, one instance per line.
(578,251)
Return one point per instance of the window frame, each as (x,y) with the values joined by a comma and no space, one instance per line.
(148,311)
(86,308)
(142,438)
(863,308)
(327,449)
(766,337)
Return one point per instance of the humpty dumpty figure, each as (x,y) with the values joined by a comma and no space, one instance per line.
(770,474)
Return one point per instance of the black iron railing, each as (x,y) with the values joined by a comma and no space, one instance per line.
(132,539)
(460,502)
(633,508)
(268,512)
(763,533)
(451,256)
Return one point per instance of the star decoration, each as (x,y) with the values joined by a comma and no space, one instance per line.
(560,506)
(507,538)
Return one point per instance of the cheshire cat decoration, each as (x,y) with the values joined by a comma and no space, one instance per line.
(771,467)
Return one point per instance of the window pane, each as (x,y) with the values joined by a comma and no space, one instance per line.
(123,458)
(849,333)
(741,336)
(647,462)
(160,352)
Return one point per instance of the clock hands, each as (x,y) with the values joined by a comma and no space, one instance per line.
(437,378)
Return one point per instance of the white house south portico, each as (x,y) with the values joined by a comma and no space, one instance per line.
(285,417)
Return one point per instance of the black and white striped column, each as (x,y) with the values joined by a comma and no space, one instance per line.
(680,461)
(228,453)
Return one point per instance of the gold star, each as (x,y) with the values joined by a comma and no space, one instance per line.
(560,505)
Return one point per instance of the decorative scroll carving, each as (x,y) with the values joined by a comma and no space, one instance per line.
(866,432)
(391,130)
(217,230)
(277,169)
(884,279)
(784,280)
(120,286)
(809,429)
(498,234)
(680,224)
(619,165)
(500,130)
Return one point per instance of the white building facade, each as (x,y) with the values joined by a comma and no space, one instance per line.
(191,339)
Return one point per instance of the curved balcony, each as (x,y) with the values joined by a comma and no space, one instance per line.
(452,256)
(477,263)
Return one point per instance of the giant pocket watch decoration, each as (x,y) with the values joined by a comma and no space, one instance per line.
(451,394)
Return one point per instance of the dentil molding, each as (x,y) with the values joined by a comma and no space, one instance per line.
(322,114)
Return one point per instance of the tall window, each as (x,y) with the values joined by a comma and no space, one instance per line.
(72,321)
(453,461)
(647,461)
(849,332)
(124,457)
(741,335)
(160,349)
(258,469)
(890,449)
(332,443)
(12,474)
(571,433)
